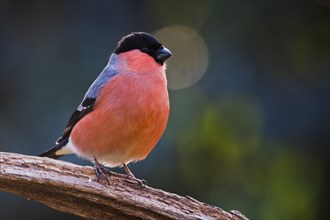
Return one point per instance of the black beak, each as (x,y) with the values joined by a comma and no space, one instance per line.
(163,54)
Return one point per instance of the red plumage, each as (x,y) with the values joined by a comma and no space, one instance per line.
(130,114)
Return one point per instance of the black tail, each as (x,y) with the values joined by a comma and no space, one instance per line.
(52,152)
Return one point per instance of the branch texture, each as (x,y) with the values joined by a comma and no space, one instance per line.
(73,189)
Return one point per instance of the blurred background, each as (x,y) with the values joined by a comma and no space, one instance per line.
(249,92)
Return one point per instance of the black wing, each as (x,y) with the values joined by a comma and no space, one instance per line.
(85,108)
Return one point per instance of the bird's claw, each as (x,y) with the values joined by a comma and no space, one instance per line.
(142,183)
(101,172)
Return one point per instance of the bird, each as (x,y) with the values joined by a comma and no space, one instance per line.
(124,112)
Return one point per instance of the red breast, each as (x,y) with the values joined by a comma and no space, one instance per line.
(130,114)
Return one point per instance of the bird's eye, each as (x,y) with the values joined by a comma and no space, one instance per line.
(144,49)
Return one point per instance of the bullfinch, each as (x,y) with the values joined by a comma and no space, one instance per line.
(124,112)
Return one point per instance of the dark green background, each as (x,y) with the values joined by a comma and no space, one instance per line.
(251,135)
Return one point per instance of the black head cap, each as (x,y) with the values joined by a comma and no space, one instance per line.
(146,43)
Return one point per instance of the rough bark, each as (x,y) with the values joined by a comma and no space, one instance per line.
(73,189)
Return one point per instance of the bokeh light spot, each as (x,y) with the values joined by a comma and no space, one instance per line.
(190,55)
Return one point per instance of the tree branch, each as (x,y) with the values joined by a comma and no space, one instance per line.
(73,189)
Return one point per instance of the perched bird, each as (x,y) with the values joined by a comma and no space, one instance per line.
(124,112)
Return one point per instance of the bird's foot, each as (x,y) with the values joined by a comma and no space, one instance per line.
(142,183)
(101,171)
